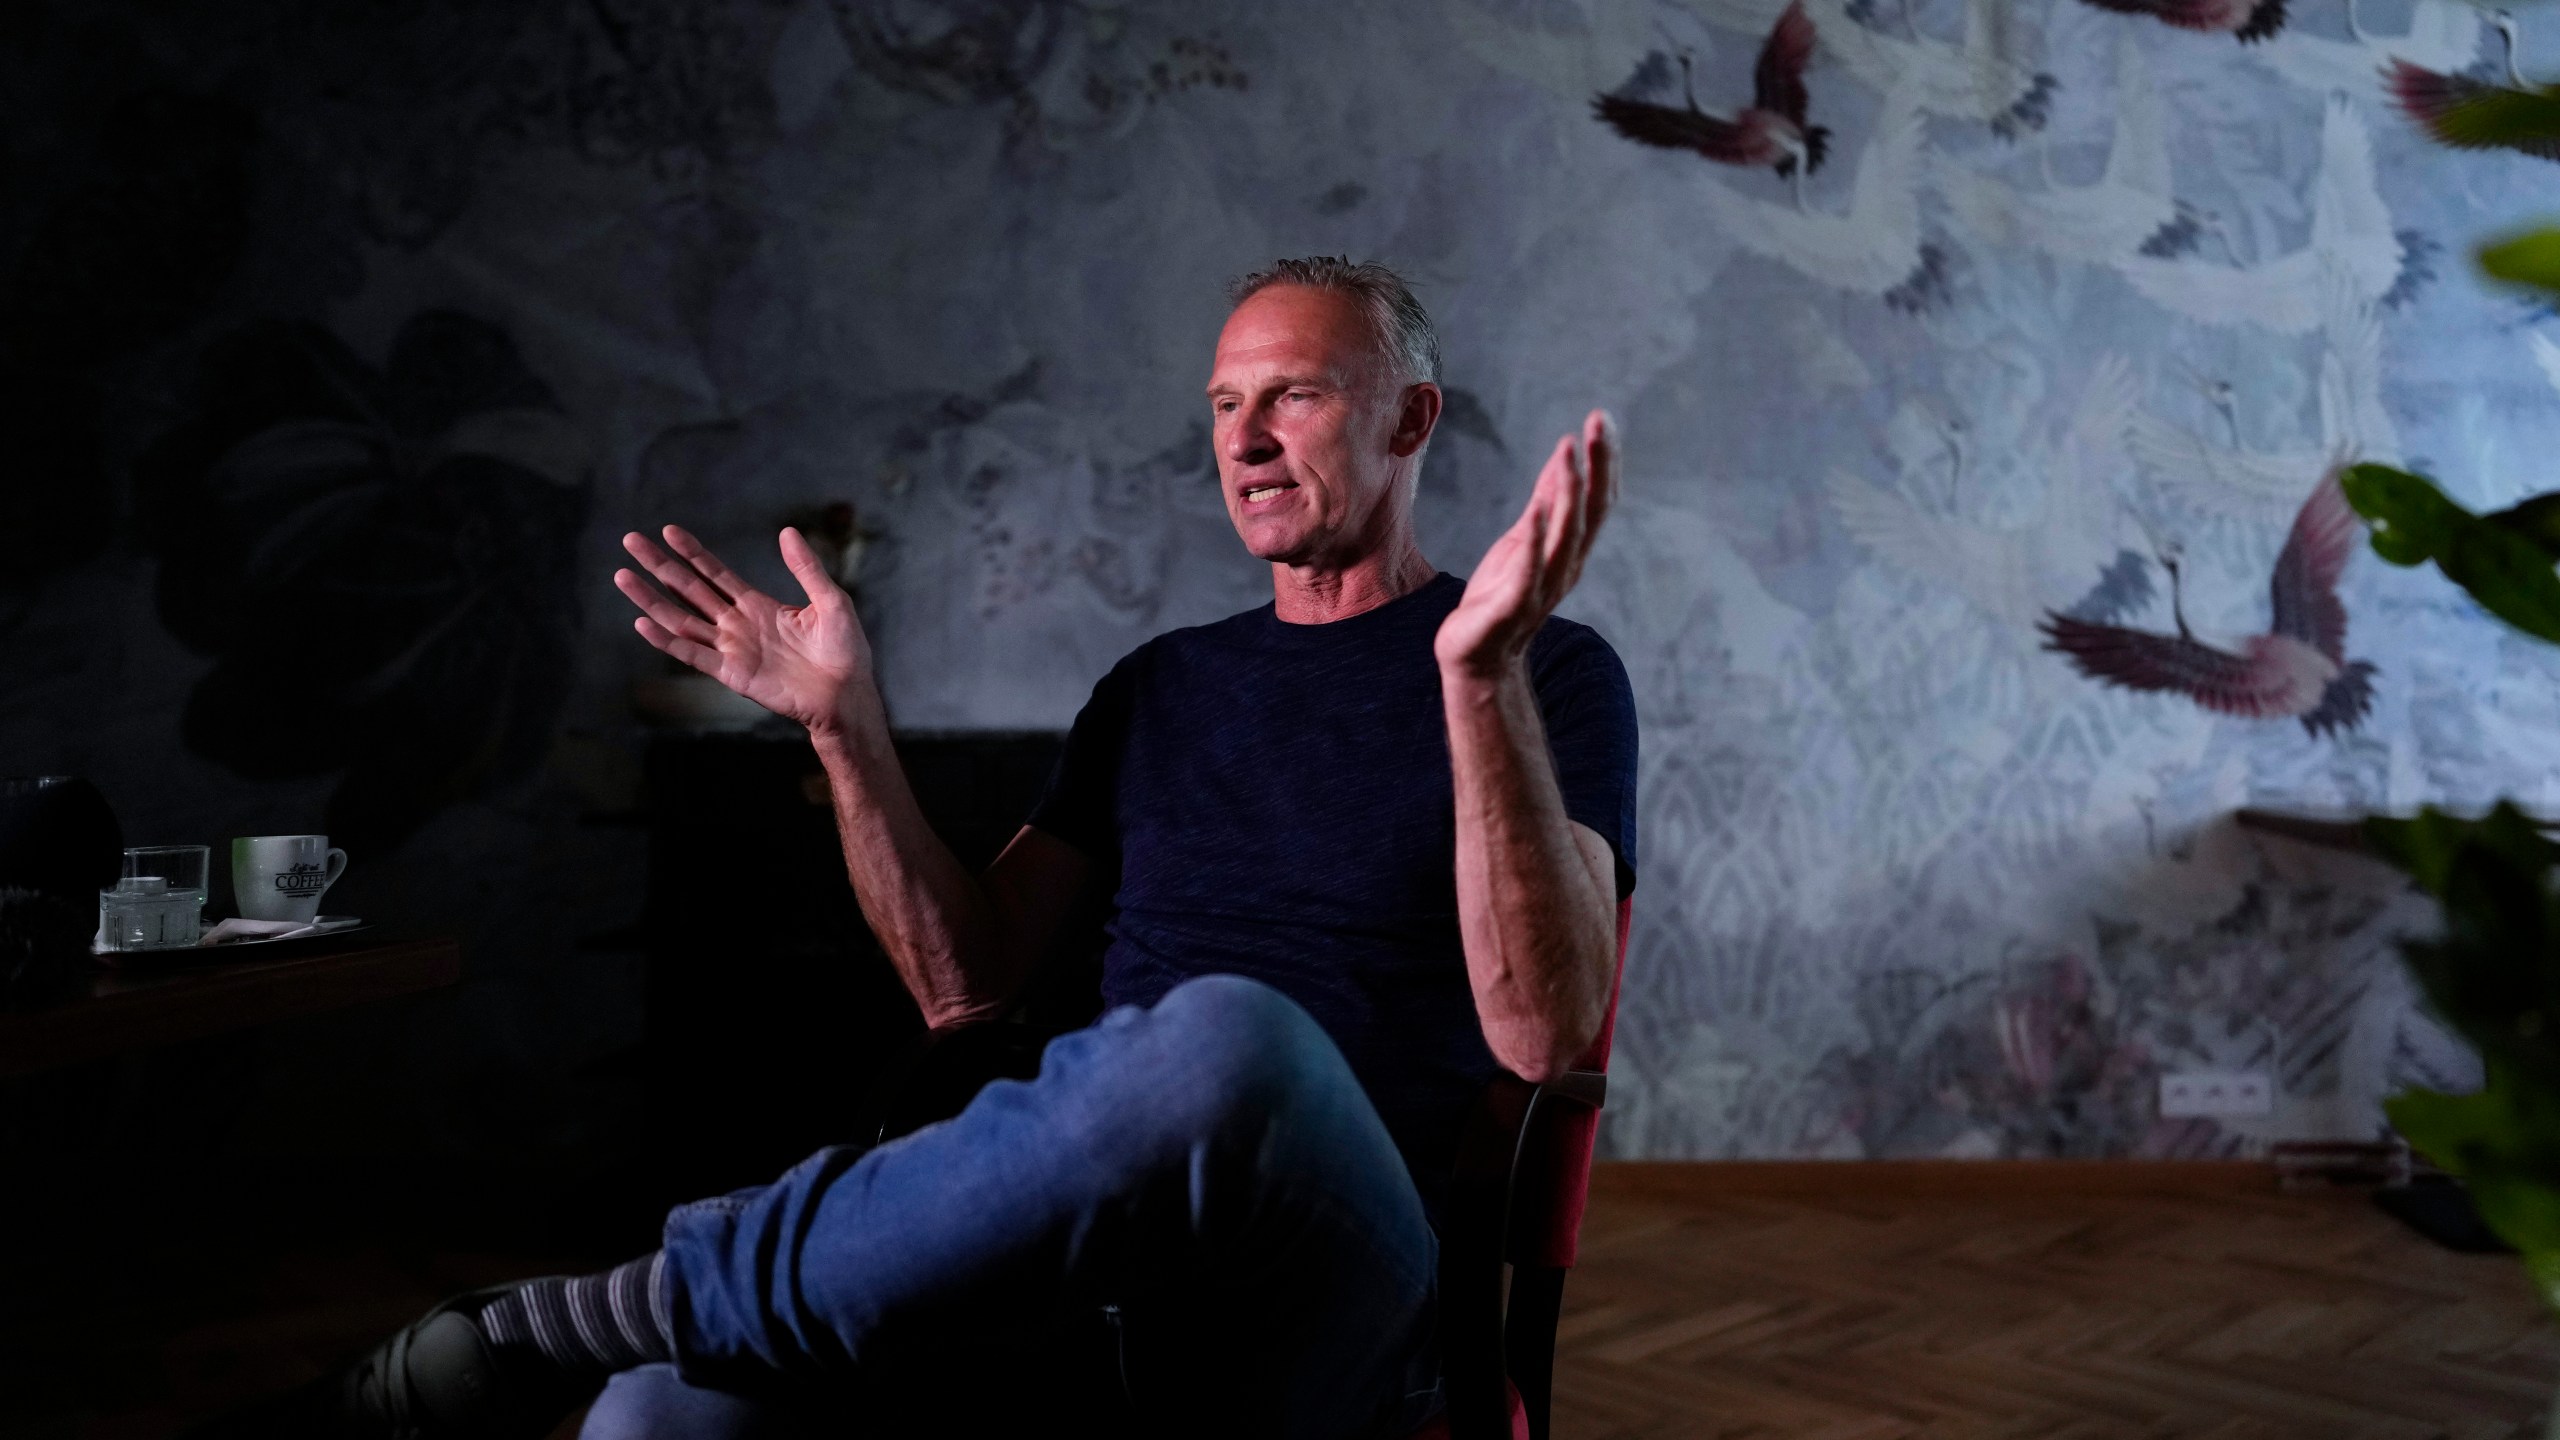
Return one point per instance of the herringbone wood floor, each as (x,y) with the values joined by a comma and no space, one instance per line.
(1872,1303)
(1867,1314)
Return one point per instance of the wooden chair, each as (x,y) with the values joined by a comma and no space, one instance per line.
(1514,1203)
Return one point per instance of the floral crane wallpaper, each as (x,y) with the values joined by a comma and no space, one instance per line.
(1983,365)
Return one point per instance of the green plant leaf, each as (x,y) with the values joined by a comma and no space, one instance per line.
(2537,520)
(2493,973)
(2411,518)
(2513,119)
(2497,117)
(2423,845)
(2544,1267)
(2500,561)
(2455,1131)
(2525,1212)
(2532,258)
(2523,1209)
(2509,575)
(2508,1162)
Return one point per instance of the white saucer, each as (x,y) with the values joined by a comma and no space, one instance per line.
(231,934)
(215,941)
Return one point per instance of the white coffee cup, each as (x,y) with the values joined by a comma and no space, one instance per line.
(282,877)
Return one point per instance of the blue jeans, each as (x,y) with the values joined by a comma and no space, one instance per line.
(1196,1193)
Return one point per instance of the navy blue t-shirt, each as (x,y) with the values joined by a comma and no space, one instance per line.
(1275,800)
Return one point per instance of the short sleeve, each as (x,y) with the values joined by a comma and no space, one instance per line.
(1589,710)
(1080,805)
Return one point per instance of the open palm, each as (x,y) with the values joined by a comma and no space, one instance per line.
(798,661)
(1536,562)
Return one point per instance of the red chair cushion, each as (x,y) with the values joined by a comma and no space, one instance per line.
(1555,1177)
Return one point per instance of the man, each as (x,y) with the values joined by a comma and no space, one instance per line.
(1362,845)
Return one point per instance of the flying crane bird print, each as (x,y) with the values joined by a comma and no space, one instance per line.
(2351,231)
(2297,668)
(2007,573)
(1976,78)
(1770,131)
(2130,209)
(2230,479)
(2243,20)
(1878,246)
(2470,114)
(2442,35)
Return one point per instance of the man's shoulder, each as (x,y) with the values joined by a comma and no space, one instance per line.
(1570,644)
(1575,671)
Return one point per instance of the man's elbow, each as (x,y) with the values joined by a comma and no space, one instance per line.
(1546,1030)
(1543,1070)
(961,1015)
(1544,1067)
(1542,1053)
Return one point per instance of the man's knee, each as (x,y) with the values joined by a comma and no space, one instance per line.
(1248,1051)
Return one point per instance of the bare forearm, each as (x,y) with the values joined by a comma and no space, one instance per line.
(931,915)
(812,663)
(1532,914)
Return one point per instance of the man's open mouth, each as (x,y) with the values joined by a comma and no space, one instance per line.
(1260,493)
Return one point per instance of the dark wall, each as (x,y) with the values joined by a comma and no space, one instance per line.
(275,568)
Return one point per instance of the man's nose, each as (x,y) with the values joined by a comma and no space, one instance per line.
(1249,441)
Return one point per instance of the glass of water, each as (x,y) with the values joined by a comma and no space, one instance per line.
(158,904)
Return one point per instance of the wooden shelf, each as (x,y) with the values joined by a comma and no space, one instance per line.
(127,1010)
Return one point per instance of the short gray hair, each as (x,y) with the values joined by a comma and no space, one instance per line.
(1402,327)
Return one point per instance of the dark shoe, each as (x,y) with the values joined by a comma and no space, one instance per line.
(438,1378)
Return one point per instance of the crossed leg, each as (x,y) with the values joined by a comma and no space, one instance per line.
(1205,1175)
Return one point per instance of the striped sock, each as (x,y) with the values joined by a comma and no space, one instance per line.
(606,1322)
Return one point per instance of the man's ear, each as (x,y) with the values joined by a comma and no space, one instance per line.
(1416,416)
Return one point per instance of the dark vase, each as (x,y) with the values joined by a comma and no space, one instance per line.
(44,947)
(58,837)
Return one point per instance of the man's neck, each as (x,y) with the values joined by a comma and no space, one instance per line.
(1320,595)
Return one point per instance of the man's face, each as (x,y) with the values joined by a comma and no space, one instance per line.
(1306,427)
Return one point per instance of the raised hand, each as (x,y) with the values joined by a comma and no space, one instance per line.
(802,662)
(1537,560)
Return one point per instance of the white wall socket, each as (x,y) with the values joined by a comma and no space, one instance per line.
(2193,1094)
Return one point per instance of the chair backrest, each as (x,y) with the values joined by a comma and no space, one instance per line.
(1552,1183)
(1522,1180)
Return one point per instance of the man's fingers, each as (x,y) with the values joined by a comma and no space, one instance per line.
(1540,557)
(1598,493)
(1600,437)
(805,565)
(654,603)
(1561,501)
(1557,472)
(675,574)
(1550,478)
(1575,493)
(700,657)
(1537,501)
(669,616)
(1575,504)
(1598,485)
(729,582)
